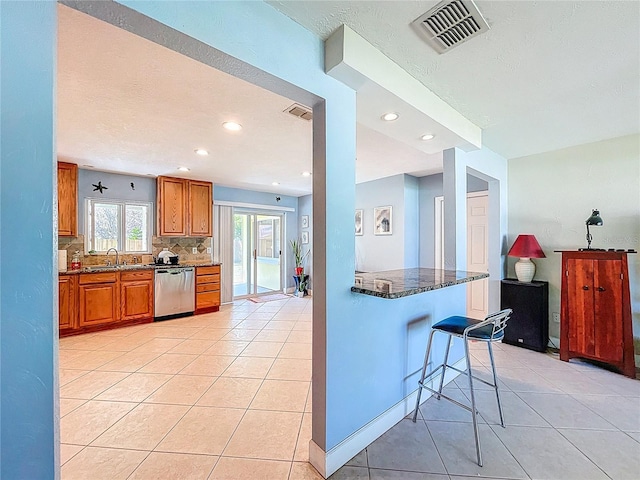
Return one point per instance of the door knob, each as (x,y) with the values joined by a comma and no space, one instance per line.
(601,289)
(585,288)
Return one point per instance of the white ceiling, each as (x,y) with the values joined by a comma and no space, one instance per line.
(548,75)
(545,77)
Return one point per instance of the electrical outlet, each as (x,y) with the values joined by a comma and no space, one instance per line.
(208,249)
(194,250)
(556,317)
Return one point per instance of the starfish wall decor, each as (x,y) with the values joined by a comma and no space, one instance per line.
(100,187)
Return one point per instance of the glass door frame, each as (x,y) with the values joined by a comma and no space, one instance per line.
(250,254)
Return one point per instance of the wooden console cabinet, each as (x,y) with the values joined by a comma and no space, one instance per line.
(67,199)
(207,289)
(184,207)
(595,322)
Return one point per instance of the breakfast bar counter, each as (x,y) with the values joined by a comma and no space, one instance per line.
(392,284)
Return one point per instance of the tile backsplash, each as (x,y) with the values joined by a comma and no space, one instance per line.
(181,246)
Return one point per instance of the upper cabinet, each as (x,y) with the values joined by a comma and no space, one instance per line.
(184,208)
(67,199)
(172,206)
(200,203)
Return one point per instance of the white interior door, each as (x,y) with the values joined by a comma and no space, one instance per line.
(478,253)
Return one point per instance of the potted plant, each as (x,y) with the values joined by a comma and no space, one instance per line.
(299,257)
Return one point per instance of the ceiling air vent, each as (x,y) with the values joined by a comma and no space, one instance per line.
(300,111)
(449,24)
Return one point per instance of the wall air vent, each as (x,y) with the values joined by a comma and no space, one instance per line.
(300,111)
(450,23)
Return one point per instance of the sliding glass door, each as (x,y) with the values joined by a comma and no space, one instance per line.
(257,250)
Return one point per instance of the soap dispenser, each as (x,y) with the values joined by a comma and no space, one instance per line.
(75,261)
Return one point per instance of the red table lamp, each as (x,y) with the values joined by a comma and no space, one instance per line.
(526,247)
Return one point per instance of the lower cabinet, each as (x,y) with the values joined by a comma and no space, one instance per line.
(207,289)
(67,309)
(136,295)
(99,298)
(90,302)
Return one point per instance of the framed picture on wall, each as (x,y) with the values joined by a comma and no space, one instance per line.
(305,221)
(382,221)
(305,238)
(359,222)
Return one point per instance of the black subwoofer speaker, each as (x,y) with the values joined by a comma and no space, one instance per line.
(528,326)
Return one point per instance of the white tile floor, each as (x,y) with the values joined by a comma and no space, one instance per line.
(227,396)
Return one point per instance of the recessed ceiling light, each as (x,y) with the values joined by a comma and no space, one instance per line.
(306,174)
(183,169)
(427,136)
(201,151)
(275,183)
(390,117)
(233,126)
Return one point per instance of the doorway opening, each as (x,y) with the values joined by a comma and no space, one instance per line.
(257,253)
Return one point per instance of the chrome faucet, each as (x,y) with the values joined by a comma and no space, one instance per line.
(115,250)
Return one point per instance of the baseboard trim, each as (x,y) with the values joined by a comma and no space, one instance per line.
(327,463)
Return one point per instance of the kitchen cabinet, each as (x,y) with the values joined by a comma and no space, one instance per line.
(528,325)
(67,309)
(184,207)
(136,295)
(67,199)
(172,196)
(595,322)
(99,296)
(207,289)
(200,208)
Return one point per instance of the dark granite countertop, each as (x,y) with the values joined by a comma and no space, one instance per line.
(410,281)
(120,268)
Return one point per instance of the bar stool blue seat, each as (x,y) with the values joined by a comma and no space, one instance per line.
(489,330)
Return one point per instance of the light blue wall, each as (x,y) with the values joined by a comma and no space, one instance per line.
(119,189)
(305,207)
(411,222)
(28,279)
(381,252)
(239,195)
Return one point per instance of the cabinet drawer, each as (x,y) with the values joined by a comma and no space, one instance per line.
(136,275)
(200,279)
(208,270)
(107,277)
(208,287)
(207,299)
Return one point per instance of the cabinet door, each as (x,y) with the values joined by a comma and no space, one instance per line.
(580,305)
(98,303)
(137,300)
(172,207)
(200,198)
(607,293)
(67,199)
(67,313)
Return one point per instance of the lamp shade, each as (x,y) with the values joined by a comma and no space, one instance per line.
(595,219)
(526,246)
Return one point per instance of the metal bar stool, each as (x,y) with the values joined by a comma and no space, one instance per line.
(488,330)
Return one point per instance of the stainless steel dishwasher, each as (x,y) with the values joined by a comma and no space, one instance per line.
(175,294)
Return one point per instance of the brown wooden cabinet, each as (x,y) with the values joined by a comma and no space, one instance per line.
(184,207)
(596,309)
(207,289)
(136,295)
(172,197)
(67,199)
(99,296)
(200,208)
(67,309)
